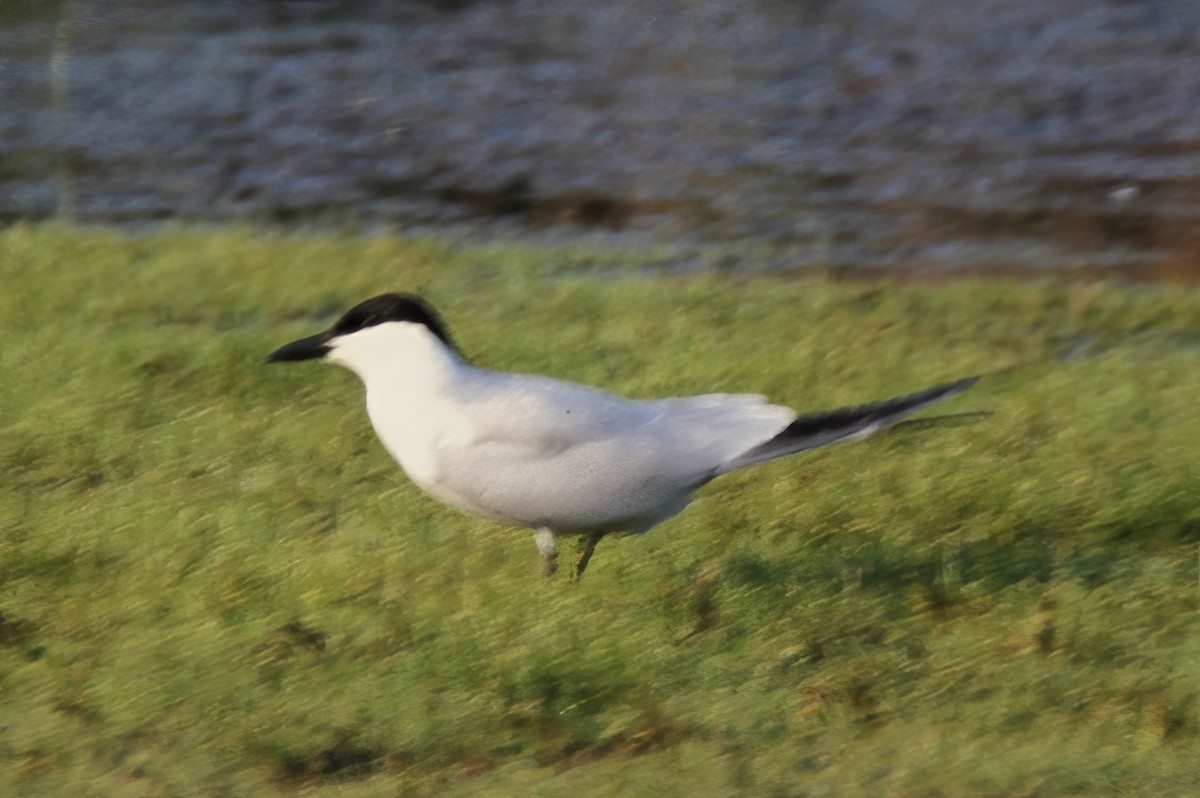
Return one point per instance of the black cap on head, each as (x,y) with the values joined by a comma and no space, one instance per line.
(376,310)
(391,307)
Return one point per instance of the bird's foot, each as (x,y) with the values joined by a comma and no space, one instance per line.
(586,555)
(544,539)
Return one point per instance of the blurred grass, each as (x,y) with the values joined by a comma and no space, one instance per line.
(213,581)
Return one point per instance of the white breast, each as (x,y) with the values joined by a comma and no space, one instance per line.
(411,379)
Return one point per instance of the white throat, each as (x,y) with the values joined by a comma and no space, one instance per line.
(409,373)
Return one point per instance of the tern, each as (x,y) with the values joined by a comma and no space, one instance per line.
(558,457)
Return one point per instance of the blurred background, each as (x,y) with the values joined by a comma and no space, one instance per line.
(924,135)
(214,582)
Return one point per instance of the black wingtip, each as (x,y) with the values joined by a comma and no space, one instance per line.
(950,388)
(821,429)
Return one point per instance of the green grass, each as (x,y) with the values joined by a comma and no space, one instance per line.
(214,582)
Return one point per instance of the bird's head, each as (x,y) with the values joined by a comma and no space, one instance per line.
(380,329)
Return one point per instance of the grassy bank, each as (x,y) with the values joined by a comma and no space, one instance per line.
(213,580)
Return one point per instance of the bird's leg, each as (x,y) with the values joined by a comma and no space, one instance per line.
(586,554)
(544,539)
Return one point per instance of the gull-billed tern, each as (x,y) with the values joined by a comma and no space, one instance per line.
(555,456)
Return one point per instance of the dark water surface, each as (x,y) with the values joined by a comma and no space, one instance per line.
(931,134)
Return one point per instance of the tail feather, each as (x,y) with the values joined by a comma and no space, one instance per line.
(848,423)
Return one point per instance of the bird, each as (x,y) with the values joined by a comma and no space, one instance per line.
(558,457)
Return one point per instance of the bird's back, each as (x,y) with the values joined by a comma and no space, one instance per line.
(540,452)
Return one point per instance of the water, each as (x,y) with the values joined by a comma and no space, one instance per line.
(911,134)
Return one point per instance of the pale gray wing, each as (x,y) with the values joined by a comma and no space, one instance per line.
(549,453)
(542,415)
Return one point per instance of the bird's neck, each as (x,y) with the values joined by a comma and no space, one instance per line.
(412,380)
